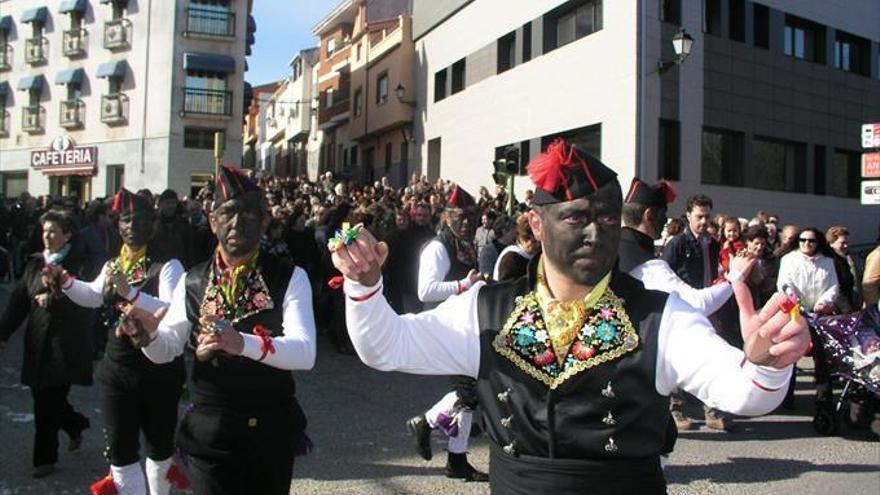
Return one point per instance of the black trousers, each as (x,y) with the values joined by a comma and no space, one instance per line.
(52,412)
(150,406)
(231,453)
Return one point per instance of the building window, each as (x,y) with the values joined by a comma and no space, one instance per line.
(439,85)
(737,20)
(435,147)
(669,152)
(458,76)
(506,52)
(587,138)
(851,53)
(382,88)
(571,21)
(777,165)
(670,11)
(212,18)
(819,170)
(712,17)
(358,102)
(14,183)
(199,138)
(804,39)
(331,47)
(115,177)
(527,42)
(387,156)
(206,93)
(843,178)
(722,158)
(761,16)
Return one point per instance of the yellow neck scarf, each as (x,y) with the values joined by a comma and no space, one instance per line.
(128,258)
(233,278)
(565,318)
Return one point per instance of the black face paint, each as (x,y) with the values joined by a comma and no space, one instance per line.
(462,223)
(136,229)
(239,225)
(581,237)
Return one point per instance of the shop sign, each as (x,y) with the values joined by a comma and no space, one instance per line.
(64,153)
(871,165)
(871,135)
(871,192)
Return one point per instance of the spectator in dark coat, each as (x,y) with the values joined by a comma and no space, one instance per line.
(57,348)
(402,270)
(173,238)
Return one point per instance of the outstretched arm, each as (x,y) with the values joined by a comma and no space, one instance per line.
(657,275)
(443,341)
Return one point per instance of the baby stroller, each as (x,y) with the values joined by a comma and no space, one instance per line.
(851,345)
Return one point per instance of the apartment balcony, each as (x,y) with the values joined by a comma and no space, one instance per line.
(334,115)
(33,119)
(114,109)
(117,34)
(75,42)
(73,114)
(36,50)
(4,124)
(207,102)
(5,56)
(207,22)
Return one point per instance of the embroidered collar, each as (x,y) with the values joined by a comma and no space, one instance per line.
(565,318)
(601,333)
(134,264)
(235,293)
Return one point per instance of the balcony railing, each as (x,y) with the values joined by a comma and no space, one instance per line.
(33,119)
(73,113)
(207,101)
(75,42)
(207,22)
(114,109)
(117,34)
(4,124)
(338,109)
(35,50)
(5,56)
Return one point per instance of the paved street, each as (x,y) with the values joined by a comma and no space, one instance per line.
(356,421)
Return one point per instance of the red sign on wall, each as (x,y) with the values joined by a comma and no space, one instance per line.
(871,165)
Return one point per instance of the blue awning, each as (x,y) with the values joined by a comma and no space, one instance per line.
(4,89)
(209,62)
(38,14)
(5,24)
(69,76)
(68,6)
(31,83)
(252,24)
(111,69)
(118,2)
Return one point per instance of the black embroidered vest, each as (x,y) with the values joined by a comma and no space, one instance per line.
(125,364)
(238,382)
(600,407)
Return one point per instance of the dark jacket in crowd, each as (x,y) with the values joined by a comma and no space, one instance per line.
(96,245)
(174,239)
(57,342)
(402,269)
(684,255)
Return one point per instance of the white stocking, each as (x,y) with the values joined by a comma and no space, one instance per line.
(129,480)
(156,476)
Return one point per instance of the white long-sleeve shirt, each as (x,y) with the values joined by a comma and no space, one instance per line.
(814,277)
(434,264)
(294,350)
(90,294)
(657,275)
(445,341)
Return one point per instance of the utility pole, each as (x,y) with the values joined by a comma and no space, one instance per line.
(219,148)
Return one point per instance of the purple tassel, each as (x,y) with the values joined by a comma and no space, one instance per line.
(447,424)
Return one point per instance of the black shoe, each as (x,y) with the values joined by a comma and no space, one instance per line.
(419,428)
(76,438)
(458,467)
(43,470)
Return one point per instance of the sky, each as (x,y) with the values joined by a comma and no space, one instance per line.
(284,27)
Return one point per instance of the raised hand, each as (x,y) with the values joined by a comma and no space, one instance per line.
(772,336)
(474,276)
(218,335)
(362,259)
(742,262)
(116,279)
(140,326)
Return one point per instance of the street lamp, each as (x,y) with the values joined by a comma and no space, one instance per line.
(400,92)
(681,43)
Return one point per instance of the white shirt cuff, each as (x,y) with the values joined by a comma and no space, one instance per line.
(252,345)
(767,378)
(353,288)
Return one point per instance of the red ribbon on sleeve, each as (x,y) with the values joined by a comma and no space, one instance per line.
(266,346)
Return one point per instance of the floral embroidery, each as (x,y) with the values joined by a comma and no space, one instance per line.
(606,334)
(254,299)
(135,271)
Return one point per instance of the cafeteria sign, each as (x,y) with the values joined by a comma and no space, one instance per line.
(65,156)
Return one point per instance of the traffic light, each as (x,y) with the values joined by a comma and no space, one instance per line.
(506,166)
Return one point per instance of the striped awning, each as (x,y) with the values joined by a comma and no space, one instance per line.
(209,62)
(29,83)
(38,14)
(70,76)
(68,6)
(112,69)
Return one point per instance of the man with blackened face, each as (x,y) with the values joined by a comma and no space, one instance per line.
(575,360)
(248,315)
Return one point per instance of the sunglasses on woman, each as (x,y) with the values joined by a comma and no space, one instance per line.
(808,241)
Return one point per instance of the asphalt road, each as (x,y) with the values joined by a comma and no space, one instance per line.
(356,418)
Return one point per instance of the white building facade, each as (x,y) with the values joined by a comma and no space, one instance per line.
(765,113)
(143,85)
